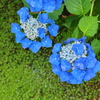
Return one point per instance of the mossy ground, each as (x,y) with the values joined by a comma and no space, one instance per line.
(28,76)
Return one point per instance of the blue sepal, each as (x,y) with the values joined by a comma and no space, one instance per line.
(46,42)
(19,36)
(15,27)
(26,43)
(35,46)
(53,29)
(24,14)
(65,65)
(96,68)
(89,74)
(57,47)
(78,49)
(41,32)
(54,59)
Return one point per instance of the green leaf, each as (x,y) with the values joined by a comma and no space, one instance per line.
(78,7)
(71,20)
(55,14)
(88,25)
(25,3)
(75,33)
(96,45)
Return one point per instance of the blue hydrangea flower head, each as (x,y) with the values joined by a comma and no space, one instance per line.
(35,31)
(24,14)
(44,5)
(74,61)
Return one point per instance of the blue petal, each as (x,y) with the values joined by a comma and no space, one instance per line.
(53,29)
(65,65)
(46,42)
(43,18)
(80,63)
(41,32)
(72,80)
(78,74)
(89,74)
(35,46)
(36,5)
(19,36)
(57,47)
(78,49)
(83,39)
(91,63)
(24,14)
(58,4)
(49,6)
(90,50)
(64,76)
(97,67)
(54,59)
(15,27)
(70,40)
(56,69)
(28,1)
(26,43)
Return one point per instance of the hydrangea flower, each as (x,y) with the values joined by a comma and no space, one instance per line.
(31,28)
(74,62)
(46,5)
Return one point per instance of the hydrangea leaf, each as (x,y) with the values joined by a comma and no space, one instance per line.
(88,25)
(75,33)
(25,3)
(70,20)
(55,14)
(78,7)
(96,45)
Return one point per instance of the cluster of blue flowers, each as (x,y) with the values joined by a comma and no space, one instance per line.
(46,5)
(34,28)
(74,62)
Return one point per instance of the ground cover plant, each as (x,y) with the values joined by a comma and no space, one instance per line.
(25,75)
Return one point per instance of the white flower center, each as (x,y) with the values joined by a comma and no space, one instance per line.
(30,27)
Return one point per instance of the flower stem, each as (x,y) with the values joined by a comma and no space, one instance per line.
(92,7)
(98,21)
